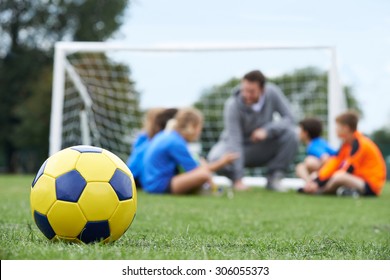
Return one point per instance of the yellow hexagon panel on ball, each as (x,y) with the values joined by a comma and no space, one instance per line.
(43,195)
(121,219)
(103,169)
(66,219)
(98,193)
(83,193)
(61,163)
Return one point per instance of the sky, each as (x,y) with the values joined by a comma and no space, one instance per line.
(359,30)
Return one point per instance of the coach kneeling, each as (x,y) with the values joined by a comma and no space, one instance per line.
(250,131)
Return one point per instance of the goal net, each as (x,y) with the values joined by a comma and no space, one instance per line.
(101,90)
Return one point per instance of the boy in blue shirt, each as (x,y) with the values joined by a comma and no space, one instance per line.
(168,152)
(317,149)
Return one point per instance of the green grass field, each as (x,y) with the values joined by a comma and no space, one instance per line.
(254,225)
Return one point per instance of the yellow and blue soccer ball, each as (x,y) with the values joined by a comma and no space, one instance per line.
(83,193)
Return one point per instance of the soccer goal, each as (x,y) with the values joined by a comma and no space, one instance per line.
(101,90)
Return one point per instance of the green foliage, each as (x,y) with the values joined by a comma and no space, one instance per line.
(352,102)
(38,24)
(21,75)
(257,224)
(28,31)
(211,103)
(382,138)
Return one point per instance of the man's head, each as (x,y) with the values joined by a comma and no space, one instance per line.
(346,124)
(310,128)
(252,87)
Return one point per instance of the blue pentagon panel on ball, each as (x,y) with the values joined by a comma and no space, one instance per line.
(122,185)
(95,231)
(39,174)
(87,149)
(70,186)
(44,225)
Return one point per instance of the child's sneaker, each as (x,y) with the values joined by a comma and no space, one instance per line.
(211,189)
(274,182)
(343,191)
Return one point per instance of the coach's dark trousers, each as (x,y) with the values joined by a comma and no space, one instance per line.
(276,154)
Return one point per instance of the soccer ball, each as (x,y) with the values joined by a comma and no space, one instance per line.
(83,193)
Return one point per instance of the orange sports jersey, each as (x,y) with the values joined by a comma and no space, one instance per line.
(362,158)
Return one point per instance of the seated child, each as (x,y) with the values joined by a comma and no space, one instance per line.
(155,121)
(317,149)
(359,165)
(168,152)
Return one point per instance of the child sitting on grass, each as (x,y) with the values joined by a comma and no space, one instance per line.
(317,149)
(168,153)
(155,121)
(358,168)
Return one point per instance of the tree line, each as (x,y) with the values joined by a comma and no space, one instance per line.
(28,31)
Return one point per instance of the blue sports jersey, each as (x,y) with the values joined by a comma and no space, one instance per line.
(166,152)
(319,147)
(135,161)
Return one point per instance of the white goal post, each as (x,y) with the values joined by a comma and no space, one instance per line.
(63,70)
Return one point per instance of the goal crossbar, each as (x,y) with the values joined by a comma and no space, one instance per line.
(103,46)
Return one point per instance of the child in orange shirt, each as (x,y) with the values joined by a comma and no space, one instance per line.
(358,167)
